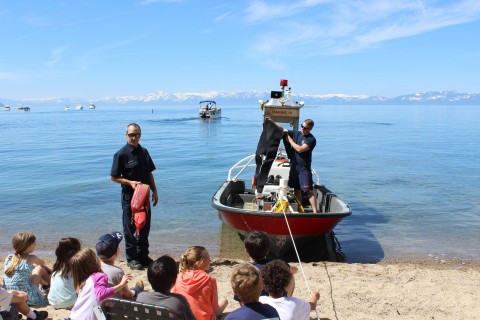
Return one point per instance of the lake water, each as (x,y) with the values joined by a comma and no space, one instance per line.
(411,175)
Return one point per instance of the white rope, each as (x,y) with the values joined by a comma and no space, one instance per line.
(295,247)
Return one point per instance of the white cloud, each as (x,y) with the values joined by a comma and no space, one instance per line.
(221,17)
(260,11)
(147,2)
(94,55)
(56,56)
(319,27)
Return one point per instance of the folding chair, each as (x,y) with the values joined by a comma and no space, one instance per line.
(120,309)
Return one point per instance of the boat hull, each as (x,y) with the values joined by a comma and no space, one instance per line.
(308,224)
(235,209)
(209,114)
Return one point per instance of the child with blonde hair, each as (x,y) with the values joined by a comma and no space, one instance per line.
(247,284)
(62,292)
(25,271)
(198,286)
(91,284)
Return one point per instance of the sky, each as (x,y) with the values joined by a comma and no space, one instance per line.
(106,48)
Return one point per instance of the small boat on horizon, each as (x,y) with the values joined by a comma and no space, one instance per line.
(208,110)
(6,108)
(79,107)
(275,210)
(91,106)
(67,107)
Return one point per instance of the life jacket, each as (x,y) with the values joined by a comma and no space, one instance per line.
(140,204)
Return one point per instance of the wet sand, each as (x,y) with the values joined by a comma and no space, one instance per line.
(421,290)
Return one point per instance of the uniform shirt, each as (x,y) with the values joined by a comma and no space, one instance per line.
(133,164)
(303,159)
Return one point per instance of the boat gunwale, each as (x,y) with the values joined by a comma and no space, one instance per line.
(296,215)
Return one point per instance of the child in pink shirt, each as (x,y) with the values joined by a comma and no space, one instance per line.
(91,284)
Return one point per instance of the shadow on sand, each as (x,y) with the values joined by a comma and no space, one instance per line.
(358,243)
(311,249)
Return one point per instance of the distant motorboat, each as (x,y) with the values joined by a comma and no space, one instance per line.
(6,108)
(91,106)
(26,109)
(79,107)
(67,107)
(208,110)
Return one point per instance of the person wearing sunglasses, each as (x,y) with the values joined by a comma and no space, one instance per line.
(133,165)
(299,146)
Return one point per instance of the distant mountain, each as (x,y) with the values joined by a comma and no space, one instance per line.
(438,97)
(161,98)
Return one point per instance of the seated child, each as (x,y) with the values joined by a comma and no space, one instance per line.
(108,250)
(247,284)
(276,278)
(162,274)
(198,286)
(62,293)
(91,284)
(25,271)
(19,299)
(257,246)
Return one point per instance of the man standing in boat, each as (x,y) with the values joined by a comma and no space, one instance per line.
(132,165)
(299,146)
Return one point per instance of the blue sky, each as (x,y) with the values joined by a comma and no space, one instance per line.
(94,49)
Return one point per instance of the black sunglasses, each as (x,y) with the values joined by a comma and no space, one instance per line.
(131,135)
(306,128)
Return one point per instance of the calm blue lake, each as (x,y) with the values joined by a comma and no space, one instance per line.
(411,175)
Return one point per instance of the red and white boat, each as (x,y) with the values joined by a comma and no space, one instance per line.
(276,210)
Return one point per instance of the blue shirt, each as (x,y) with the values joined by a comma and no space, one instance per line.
(254,311)
(303,159)
(133,164)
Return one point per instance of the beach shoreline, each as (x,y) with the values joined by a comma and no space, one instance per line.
(408,290)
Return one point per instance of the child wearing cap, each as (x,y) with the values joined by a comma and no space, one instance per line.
(108,250)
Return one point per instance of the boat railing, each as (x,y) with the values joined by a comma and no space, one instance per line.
(246,162)
(240,165)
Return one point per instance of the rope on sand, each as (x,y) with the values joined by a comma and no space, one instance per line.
(296,252)
(331,290)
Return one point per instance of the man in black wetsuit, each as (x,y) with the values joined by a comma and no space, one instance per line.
(132,165)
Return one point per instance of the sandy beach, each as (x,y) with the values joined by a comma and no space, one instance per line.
(430,290)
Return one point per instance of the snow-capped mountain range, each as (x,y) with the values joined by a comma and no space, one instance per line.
(161,98)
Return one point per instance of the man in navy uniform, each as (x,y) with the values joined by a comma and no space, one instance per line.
(132,165)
